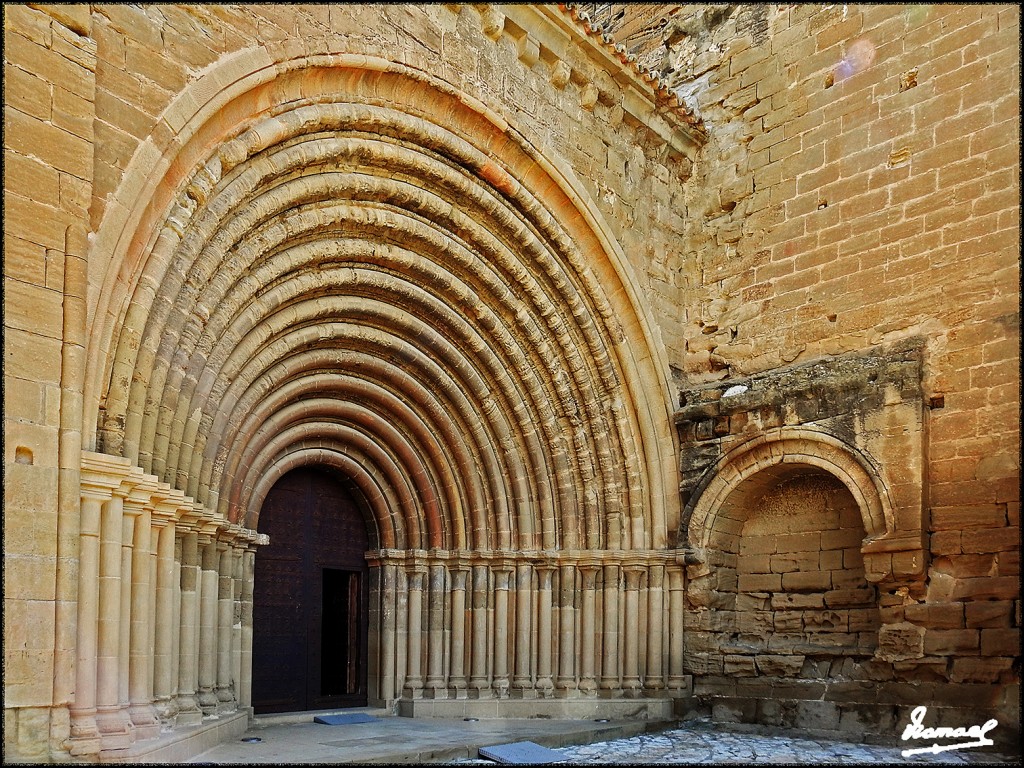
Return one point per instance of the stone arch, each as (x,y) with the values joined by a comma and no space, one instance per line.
(478,286)
(779,583)
(788,446)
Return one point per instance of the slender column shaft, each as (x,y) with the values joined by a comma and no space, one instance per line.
(140,692)
(501,587)
(676,585)
(588,679)
(237,576)
(165,628)
(188,657)
(208,628)
(225,613)
(176,620)
(457,673)
(414,678)
(478,681)
(389,596)
(112,725)
(655,678)
(524,614)
(566,681)
(128,520)
(245,682)
(631,645)
(544,636)
(610,662)
(436,685)
(83,710)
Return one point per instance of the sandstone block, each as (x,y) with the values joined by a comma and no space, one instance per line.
(1000,642)
(807,582)
(947,642)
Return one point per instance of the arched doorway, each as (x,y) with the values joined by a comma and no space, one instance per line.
(310,596)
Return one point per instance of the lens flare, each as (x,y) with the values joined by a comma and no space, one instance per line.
(859,57)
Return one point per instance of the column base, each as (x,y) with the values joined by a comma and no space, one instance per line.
(145,722)
(435,692)
(189,712)
(482,692)
(208,702)
(114,729)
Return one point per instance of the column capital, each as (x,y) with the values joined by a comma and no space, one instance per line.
(102,475)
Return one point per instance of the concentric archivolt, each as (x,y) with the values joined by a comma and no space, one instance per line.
(376,279)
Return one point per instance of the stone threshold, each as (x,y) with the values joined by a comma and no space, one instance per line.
(181,745)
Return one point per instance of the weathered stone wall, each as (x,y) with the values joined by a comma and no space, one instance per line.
(858,186)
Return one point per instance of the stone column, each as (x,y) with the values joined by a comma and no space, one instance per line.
(457,674)
(676,585)
(655,678)
(208,596)
(245,681)
(588,677)
(166,629)
(545,683)
(83,711)
(140,694)
(565,684)
(112,722)
(478,682)
(414,675)
(502,576)
(237,577)
(522,682)
(610,639)
(436,686)
(188,657)
(225,613)
(129,516)
(388,632)
(631,644)
(176,624)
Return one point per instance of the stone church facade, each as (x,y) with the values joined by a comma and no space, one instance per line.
(520,361)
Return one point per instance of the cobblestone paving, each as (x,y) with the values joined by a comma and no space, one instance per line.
(705,742)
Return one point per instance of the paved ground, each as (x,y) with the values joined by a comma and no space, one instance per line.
(297,739)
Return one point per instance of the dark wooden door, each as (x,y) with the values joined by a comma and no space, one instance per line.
(310,597)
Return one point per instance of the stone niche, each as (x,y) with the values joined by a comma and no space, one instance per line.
(802,494)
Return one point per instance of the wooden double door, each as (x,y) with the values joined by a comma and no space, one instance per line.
(310,597)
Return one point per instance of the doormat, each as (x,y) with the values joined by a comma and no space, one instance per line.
(355,717)
(521,753)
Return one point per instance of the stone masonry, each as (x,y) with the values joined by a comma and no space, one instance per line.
(673,352)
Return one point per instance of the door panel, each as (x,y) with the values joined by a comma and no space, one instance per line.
(310,597)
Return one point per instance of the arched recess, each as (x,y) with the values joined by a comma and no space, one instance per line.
(341,229)
(799,446)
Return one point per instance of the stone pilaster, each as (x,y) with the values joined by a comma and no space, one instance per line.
(565,684)
(610,663)
(457,671)
(436,686)
(414,675)
(631,632)
(654,678)
(588,678)
(545,681)
(479,682)
(225,613)
(188,664)
(522,683)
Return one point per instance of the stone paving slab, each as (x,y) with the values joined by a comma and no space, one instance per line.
(397,740)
